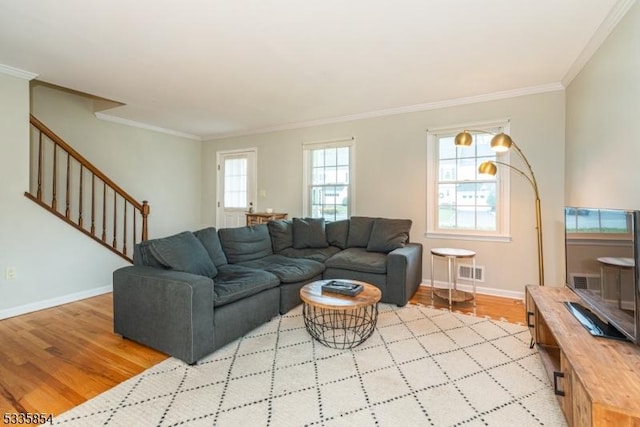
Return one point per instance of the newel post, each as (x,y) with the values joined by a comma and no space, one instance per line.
(145,213)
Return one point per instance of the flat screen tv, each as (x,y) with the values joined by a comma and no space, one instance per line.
(601,247)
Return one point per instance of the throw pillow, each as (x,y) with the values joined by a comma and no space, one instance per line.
(359,231)
(388,234)
(183,252)
(281,232)
(337,232)
(211,242)
(309,233)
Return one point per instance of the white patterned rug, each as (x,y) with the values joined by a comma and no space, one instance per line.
(422,367)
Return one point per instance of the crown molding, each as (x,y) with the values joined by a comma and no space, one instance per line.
(16,72)
(617,12)
(133,123)
(531,90)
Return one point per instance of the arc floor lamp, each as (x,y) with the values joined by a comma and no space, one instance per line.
(502,142)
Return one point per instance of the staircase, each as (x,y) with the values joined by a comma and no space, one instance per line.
(70,187)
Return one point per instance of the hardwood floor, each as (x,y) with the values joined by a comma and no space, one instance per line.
(55,359)
(497,308)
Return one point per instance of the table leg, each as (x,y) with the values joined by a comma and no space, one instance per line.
(619,287)
(473,275)
(432,278)
(449,262)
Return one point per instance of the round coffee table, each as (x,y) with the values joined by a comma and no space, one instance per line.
(340,321)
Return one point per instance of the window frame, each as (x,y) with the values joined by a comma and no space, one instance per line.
(307,149)
(503,186)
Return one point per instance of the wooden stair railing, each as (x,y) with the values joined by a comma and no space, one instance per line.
(91,202)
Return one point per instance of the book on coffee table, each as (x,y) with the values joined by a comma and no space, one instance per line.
(344,288)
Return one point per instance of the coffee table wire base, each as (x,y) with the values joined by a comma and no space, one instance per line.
(340,329)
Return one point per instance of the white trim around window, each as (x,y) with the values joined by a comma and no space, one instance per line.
(502,232)
(307,147)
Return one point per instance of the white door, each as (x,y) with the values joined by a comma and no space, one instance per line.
(237,183)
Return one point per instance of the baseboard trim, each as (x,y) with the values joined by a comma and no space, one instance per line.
(53,302)
(479,289)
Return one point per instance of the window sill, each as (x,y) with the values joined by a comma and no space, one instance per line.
(461,236)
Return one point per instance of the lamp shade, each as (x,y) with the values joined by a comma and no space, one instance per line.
(501,142)
(488,168)
(464,139)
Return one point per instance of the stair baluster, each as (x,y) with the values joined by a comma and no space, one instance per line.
(45,147)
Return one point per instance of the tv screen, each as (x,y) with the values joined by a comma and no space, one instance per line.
(601,255)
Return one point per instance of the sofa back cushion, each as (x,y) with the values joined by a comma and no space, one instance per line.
(181,252)
(359,231)
(142,255)
(211,242)
(388,234)
(281,232)
(309,233)
(337,233)
(245,243)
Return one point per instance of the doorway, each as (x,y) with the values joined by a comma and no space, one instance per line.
(237,186)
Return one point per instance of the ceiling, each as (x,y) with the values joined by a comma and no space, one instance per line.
(215,68)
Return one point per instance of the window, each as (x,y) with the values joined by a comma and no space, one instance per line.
(597,221)
(235,183)
(462,202)
(327,175)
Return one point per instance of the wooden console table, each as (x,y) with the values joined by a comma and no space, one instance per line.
(597,380)
(263,217)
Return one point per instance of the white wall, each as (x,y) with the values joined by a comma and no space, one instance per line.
(603,123)
(54,262)
(390,178)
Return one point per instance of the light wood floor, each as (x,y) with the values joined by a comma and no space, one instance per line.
(497,308)
(55,359)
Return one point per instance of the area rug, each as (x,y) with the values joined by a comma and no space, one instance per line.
(421,367)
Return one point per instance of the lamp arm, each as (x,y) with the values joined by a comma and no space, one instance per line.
(532,179)
(534,184)
(533,175)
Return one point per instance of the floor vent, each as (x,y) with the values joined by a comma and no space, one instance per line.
(585,281)
(465,272)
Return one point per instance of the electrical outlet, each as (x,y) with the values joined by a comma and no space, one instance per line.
(10,273)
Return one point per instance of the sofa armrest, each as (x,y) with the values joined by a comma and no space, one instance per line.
(404,273)
(170,311)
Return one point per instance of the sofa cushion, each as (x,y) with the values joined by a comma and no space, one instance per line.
(388,234)
(281,232)
(245,243)
(211,242)
(358,259)
(235,282)
(288,270)
(309,233)
(316,254)
(183,252)
(142,255)
(337,233)
(359,231)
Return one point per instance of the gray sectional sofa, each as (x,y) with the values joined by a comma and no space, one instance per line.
(191,293)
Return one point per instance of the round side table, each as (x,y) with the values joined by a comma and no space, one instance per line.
(452,256)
